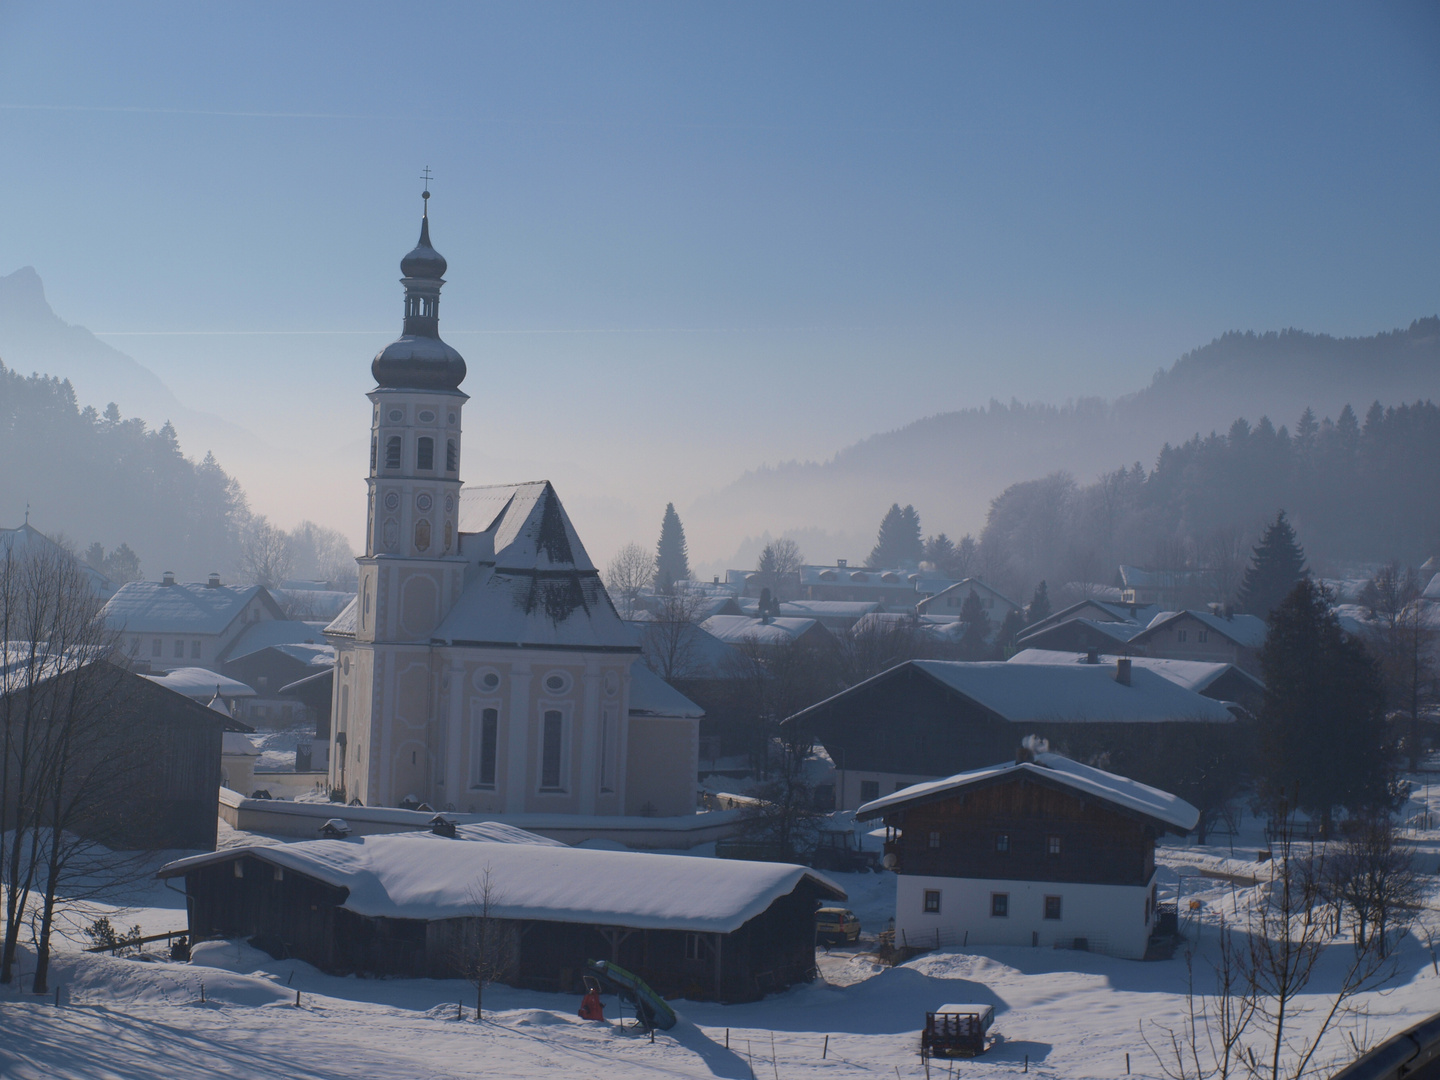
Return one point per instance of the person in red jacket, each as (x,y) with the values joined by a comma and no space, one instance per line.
(590,1007)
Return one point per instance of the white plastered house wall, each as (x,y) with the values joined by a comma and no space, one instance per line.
(1113,919)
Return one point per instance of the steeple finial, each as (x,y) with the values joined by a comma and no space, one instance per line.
(425,195)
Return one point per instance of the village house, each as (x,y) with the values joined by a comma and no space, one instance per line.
(1203,635)
(169,624)
(26,541)
(415,904)
(926,719)
(1167,588)
(740,630)
(1221,681)
(481,665)
(1040,851)
(949,601)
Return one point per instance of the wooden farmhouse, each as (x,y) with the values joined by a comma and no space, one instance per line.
(926,719)
(415,904)
(1041,851)
(1203,635)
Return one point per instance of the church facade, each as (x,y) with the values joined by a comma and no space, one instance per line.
(481,667)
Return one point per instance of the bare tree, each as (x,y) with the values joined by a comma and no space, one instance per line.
(322,554)
(266,554)
(670,645)
(629,573)
(1207,1044)
(1374,876)
(778,568)
(69,751)
(488,945)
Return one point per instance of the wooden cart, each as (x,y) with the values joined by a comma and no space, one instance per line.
(956,1030)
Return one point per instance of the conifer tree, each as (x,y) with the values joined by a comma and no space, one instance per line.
(940,553)
(899,542)
(672,562)
(1010,629)
(1322,726)
(974,642)
(1277,564)
(1039,605)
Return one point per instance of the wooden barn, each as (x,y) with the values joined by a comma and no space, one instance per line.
(415,904)
(150,757)
(1042,851)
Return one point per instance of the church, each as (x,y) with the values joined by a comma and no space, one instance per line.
(481,667)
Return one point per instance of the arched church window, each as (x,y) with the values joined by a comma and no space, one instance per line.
(425,453)
(392,452)
(452,456)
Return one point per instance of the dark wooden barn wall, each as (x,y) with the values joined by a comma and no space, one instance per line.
(1097,845)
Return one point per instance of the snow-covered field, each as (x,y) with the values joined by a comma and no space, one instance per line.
(1071,1015)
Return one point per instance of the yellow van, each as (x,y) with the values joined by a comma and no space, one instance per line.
(836,925)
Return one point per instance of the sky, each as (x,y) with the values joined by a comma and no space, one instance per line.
(688,240)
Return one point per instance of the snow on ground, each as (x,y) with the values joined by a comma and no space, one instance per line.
(1072,1015)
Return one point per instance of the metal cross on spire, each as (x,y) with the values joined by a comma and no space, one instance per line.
(426,176)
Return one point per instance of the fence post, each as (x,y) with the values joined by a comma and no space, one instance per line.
(825,1050)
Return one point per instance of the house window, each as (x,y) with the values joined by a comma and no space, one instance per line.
(934,841)
(932,901)
(551,747)
(694,947)
(179,649)
(1203,636)
(194,650)
(1000,905)
(485,753)
(452,456)
(1052,907)
(392,452)
(156,648)
(869,790)
(1181,635)
(424,453)
(1002,841)
(1052,845)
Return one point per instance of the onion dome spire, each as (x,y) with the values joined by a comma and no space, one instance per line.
(419,360)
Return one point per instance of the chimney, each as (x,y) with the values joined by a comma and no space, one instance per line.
(214,581)
(440,825)
(840,564)
(167,578)
(1092,656)
(1122,671)
(717,579)
(1023,754)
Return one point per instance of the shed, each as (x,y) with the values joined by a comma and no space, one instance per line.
(412,903)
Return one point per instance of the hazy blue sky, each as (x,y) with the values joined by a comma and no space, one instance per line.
(686,239)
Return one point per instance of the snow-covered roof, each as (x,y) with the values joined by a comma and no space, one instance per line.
(323,604)
(422,876)
(200,683)
(1247,631)
(1059,693)
(271,632)
(1432,591)
(651,695)
(736,629)
(701,654)
(964,587)
(26,540)
(152,607)
(343,625)
(235,744)
(872,578)
(1100,611)
(1196,675)
(1056,768)
(318,656)
(534,584)
(816,609)
(1135,577)
(1119,632)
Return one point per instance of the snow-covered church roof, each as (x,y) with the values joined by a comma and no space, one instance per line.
(1121,791)
(423,876)
(534,582)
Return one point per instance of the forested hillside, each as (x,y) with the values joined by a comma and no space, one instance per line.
(951,465)
(1355,491)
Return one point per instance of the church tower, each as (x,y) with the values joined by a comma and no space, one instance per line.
(411,572)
